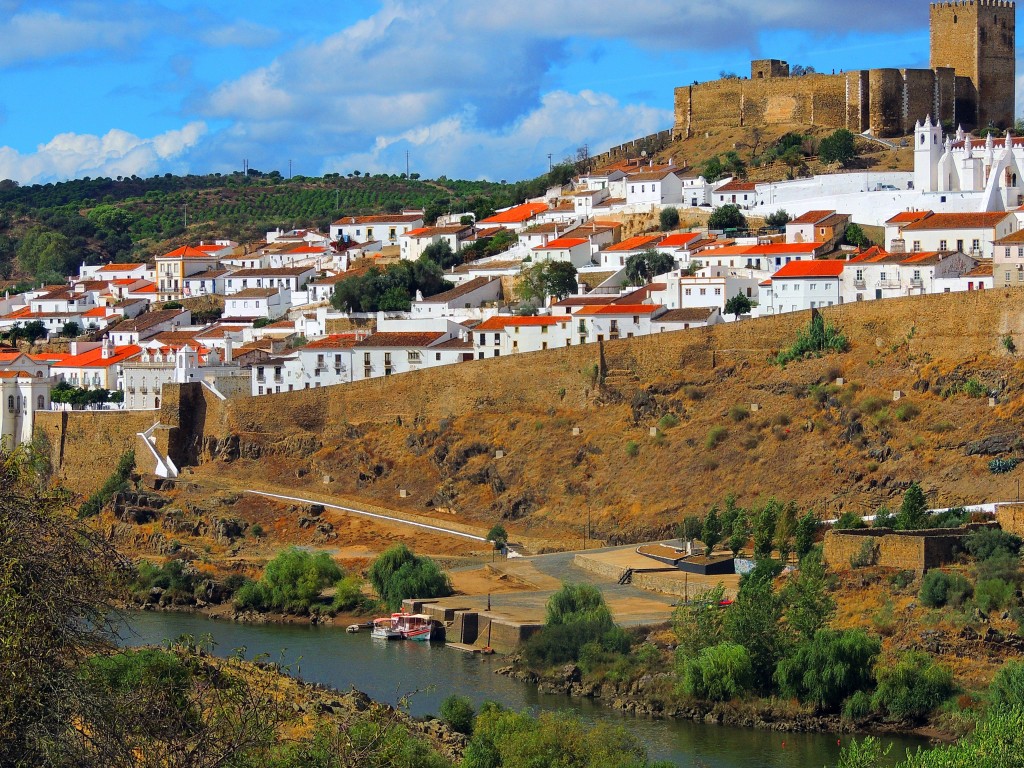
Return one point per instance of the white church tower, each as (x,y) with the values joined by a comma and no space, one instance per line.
(928,151)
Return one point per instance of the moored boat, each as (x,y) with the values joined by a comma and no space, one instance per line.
(414,626)
(384,629)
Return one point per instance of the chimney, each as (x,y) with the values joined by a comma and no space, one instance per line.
(228,349)
(108,348)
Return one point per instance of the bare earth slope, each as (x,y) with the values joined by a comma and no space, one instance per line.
(435,434)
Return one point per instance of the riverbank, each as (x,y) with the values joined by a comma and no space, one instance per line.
(227,612)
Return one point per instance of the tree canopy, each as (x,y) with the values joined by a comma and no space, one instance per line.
(641,268)
(727,217)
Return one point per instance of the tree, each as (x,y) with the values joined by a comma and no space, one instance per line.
(498,536)
(837,148)
(292,582)
(733,165)
(754,621)
(809,606)
(641,268)
(913,513)
(689,529)
(806,527)
(778,219)
(829,667)
(699,624)
(727,217)
(719,673)
(397,574)
(669,218)
(457,712)
(560,279)
(855,236)
(441,253)
(46,254)
(739,533)
(70,330)
(764,528)
(712,169)
(711,531)
(785,529)
(738,305)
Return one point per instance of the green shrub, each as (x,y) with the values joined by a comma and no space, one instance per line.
(973,388)
(719,673)
(993,595)
(941,427)
(912,687)
(1007,688)
(116,483)
(632,449)
(1008,344)
(348,595)
(986,543)
(939,588)
(397,574)
(716,436)
(738,413)
(1003,466)
(668,421)
(257,530)
(849,521)
(902,580)
(1003,566)
(867,556)
(828,669)
(816,338)
(292,582)
(458,713)
(858,707)
(997,741)
(872,405)
(907,412)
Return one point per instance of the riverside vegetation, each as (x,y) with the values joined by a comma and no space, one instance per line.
(69,698)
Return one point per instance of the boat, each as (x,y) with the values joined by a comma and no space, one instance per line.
(414,626)
(384,629)
(353,628)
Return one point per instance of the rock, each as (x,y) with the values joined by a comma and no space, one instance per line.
(994,445)
(227,529)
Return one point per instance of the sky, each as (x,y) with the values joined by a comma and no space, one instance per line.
(468,88)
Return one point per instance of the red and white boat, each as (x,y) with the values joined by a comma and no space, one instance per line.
(414,626)
(384,629)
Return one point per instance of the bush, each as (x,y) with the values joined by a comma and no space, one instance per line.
(719,673)
(716,436)
(348,595)
(994,595)
(632,449)
(828,669)
(816,338)
(458,713)
(902,580)
(912,687)
(1008,344)
(116,483)
(292,582)
(739,413)
(866,556)
(872,405)
(907,412)
(849,521)
(939,588)
(1003,466)
(987,543)
(668,421)
(669,218)
(997,741)
(397,574)
(1007,688)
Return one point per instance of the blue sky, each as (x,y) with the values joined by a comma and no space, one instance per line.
(470,88)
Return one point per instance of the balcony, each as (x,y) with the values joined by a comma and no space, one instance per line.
(916,282)
(889,285)
(278,379)
(859,285)
(261,379)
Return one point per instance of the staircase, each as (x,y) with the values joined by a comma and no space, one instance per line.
(164,466)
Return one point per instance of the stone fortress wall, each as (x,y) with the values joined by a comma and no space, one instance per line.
(971,82)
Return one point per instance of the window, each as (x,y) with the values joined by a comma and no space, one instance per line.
(415,357)
(942,246)
(718,291)
(975,244)
(703,291)
(497,338)
(814,286)
(859,277)
(917,246)
(917,274)
(1007,277)
(366,358)
(882,277)
(10,402)
(636,319)
(689,291)
(1020,253)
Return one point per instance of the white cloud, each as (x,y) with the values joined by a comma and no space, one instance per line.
(240,34)
(458,147)
(116,153)
(46,35)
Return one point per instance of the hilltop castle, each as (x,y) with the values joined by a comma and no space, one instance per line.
(971,83)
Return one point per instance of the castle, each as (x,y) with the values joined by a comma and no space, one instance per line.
(971,83)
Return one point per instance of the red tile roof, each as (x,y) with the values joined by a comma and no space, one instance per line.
(186,252)
(94,358)
(737,186)
(401,339)
(812,217)
(120,267)
(908,217)
(516,215)
(801,269)
(336,341)
(957,221)
(562,242)
(678,241)
(500,322)
(635,243)
(621,309)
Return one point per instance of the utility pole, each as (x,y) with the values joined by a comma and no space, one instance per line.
(289,168)
(407,163)
(550,167)
(186,216)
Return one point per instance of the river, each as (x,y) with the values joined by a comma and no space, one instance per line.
(387,671)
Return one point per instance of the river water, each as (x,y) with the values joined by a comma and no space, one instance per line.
(430,672)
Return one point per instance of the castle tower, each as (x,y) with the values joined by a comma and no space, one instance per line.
(976,38)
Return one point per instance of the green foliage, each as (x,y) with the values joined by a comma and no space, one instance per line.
(643,267)
(349,597)
(163,677)
(548,278)
(866,753)
(80,397)
(754,621)
(391,289)
(867,555)
(829,667)
(939,588)
(1008,344)
(837,148)
(855,236)
(632,449)
(1006,692)
(116,483)
(441,253)
(738,305)
(397,574)
(70,330)
(994,595)
(669,218)
(574,603)
(765,521)
(818,337)
(177,582)
(712,169)
(913,512)
(716,436)
(912,687)
(458,713)
(806,527)
(809,606)
(711,531)
(986,543)
(668,421)
(498,535)
(973,388)
(576,616)
(699,624)
(505,739)
(719,673)
(292,582)
(907,412)
(689,529)
(48,255)
(727,217)
(1003,466)
(778,219)
(998,741)
(29,332)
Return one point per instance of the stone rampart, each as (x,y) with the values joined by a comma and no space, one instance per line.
(901,550)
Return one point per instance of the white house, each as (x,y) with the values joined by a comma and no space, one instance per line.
(575,250)
(518,217)
(387,228)
(972,233)
(685,319)
(876,274)
(109,272)
(615,321)
(585,200)
(389,353)
(22,395)
(512,334)
(826,228)
(1008,261)
(211,282)
(95,365)
(734,192)
(712,287)
(656,187)
(615,256)
(413,243)
(149,324)
(293,279)
(158,364)
(802,285)
(254,303)
(696,191)
(469,295)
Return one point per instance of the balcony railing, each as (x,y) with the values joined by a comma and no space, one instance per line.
(889,284)
(279,379)
(860,285)
(916,282)
(261,379)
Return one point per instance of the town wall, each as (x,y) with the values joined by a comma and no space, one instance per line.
(901,550)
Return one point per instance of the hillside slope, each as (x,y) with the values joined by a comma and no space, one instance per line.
(434,434)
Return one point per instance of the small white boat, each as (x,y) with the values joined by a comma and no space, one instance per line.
(416,626)
(384,629)
(353,628)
